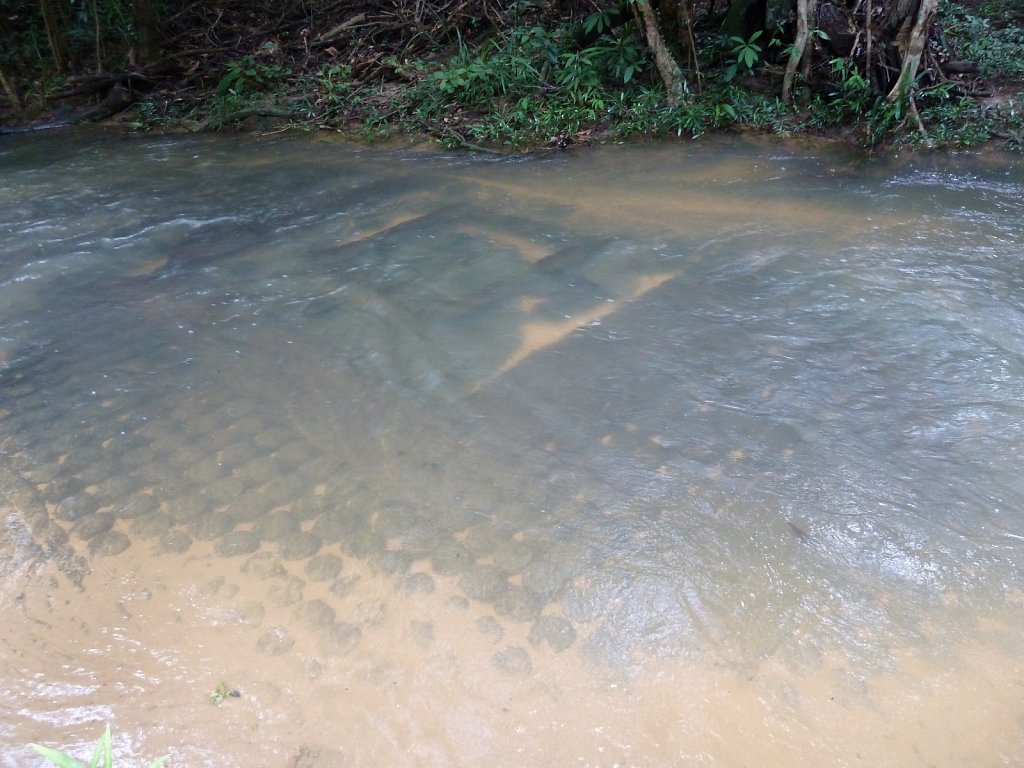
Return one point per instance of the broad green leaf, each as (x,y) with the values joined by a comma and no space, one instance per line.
(103,757)
(56,757)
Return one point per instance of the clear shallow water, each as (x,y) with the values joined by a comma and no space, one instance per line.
(713,404)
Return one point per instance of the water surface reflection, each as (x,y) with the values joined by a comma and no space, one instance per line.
(645,454)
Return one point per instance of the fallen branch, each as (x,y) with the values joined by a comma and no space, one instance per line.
(242,114)
(465,144)
(117,100)
(101,83)
(328,38)
(1011,137)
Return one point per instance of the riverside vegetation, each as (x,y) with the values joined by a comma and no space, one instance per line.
(483,74)
(102,756)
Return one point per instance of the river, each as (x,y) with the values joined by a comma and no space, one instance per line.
(671,455)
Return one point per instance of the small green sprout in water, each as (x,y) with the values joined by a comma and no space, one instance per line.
(218,694)
(102,756)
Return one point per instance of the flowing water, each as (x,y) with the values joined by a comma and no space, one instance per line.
(705,454)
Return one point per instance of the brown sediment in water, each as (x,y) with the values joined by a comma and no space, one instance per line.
(432,678)
(391,224)
(365,655)
(528,248)
(147,268)
(537,336)
(694,209)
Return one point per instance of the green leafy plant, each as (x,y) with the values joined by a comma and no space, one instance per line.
(745,53)
(102,756)
(246,74)
(475,80)
(151,115)
(792,50)
(336,80)
(996,49)
(335,91)
(850,98)
(600,21)
(578,75)
(621,57)
(538,64)
(221,692)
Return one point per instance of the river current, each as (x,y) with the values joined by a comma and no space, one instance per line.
(698,454)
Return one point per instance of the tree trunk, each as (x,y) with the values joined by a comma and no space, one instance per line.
(147,36)
(799,48)
(885,39)
(667,66)
(914,49)
(689,43)
(97,36)
(55,34)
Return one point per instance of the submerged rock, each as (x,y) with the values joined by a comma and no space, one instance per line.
(553,630)
(211,526)
(298,546)
(67,489)
(484,583)
(72,508)
(344,585)
(225,490)
(450,558)
(341,637)
(278,526)
(109,543)
(333,527)
(91,526)
(546,578)
(237,543)
(285,590)
(519,604)
(391,562)
(151,525)
(248,507)
(323,567)
(513,661)
(418,582)
(136,505)
(489,627)
(250,613)
(265,565)
(315,614)
(175,541)
(187,508)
